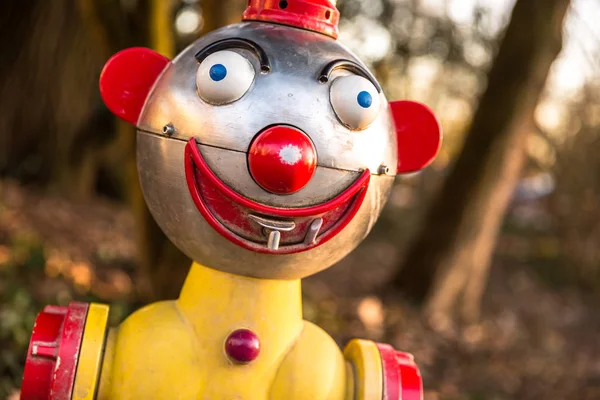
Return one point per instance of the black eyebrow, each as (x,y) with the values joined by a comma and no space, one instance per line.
(349,66)
(232,43)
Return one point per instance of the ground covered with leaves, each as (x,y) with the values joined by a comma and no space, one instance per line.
(534,341)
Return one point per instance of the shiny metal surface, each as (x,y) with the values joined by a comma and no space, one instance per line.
(284,226)
(313,231)
(161,170)
(274,239)
(289,94)
(232,168)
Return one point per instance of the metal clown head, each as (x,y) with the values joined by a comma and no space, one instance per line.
(266,148)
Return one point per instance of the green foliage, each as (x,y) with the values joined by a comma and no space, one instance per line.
(18,306)
(24,291)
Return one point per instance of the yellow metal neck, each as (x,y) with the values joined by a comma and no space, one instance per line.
(215,301)
(182,345)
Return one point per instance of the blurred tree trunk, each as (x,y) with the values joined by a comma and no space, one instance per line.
(163,267)
(450,257)
(59,133)
(48,96)
(219,13)
(162,36)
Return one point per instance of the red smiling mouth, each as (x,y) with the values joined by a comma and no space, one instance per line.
(266,229)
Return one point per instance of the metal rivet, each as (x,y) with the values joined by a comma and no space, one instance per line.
(383,170)
(168,129)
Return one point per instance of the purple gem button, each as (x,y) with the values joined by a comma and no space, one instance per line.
(242,346)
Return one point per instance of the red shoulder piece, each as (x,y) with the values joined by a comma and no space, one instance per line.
(401,376)
(53,352)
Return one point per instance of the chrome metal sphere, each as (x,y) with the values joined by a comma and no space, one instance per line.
(266,151)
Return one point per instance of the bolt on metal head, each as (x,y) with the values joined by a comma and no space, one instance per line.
(168,129)
(383,170)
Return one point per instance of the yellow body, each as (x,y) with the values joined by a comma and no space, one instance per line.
(175,349)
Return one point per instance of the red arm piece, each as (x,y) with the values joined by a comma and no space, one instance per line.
(401,376)
(53,353)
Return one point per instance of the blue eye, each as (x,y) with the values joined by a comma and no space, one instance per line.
(365,99)
(218,72)
(224,77)
(355,101)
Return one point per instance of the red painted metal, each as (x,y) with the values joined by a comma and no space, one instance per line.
(391,373)
(242,346)
(53,352)
(235,217)
(220,205)
(127,79)
(412,384)
(282,159)
(315,15)
(419,135)
(401,376)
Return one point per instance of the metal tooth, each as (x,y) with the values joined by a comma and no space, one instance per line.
(271,224)
(274,238)
(313,231)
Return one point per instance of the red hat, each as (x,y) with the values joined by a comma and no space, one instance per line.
(315,15)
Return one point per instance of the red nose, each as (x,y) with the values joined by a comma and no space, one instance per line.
(282,160)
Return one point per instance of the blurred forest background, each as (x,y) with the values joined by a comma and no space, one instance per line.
(486,266)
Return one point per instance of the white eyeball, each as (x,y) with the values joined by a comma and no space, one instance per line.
(355,101)
(224,77)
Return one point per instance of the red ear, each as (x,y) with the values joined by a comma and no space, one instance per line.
(419,135)
(127,78)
